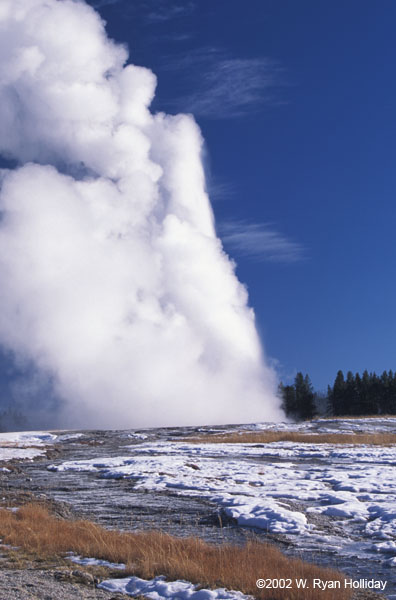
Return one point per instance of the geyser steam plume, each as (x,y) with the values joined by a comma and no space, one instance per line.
(112,278)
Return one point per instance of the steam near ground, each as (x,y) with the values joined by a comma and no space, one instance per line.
(113,282)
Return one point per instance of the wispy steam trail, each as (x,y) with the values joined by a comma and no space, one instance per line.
(225,87)
(112,278)
(260,242)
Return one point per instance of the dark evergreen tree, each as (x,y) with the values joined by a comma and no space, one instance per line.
(288,395)
(351,399)
(375,393)
(337,396)
(391,401)
(365,399)
(305,403)
(384,394)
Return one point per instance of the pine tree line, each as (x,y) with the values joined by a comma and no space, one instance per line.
(353,395)
(12,420)
(368,394)
(298,400)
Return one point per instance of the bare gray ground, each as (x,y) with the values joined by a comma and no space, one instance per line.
(30,584)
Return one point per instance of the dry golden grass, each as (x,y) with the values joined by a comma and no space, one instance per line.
(266,437)
(356,417)
(148,554)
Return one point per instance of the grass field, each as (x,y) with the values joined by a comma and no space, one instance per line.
(266,437)
(35,530)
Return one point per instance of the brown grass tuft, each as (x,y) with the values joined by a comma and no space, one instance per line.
(266,437)
(148,554)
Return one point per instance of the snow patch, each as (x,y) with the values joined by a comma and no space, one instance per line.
(159,589)
(94,562)
(24,444)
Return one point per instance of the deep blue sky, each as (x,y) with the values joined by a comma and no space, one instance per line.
(296,101)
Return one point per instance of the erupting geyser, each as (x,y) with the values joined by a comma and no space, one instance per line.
(112,278)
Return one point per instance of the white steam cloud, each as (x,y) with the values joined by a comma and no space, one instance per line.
(112,278)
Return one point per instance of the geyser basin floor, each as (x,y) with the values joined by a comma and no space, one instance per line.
(328,503)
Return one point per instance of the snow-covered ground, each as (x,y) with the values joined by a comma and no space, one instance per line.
(279,487)
(24,445)
(29,444)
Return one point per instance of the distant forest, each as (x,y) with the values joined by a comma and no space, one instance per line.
(353,395)
(12,419)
